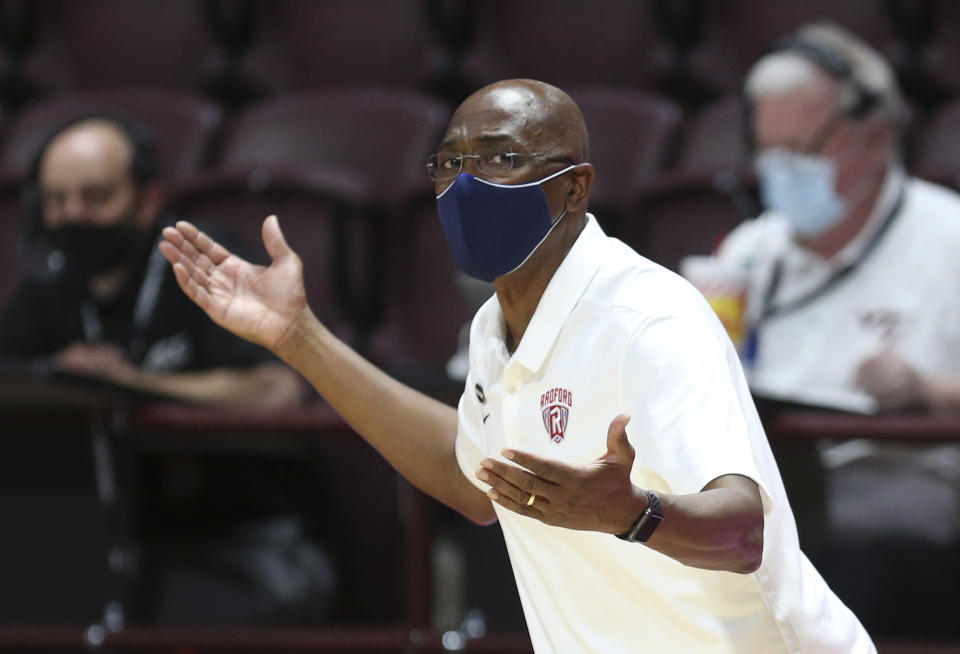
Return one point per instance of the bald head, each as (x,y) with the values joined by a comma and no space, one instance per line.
(95,143)
(531,114)
(85,175)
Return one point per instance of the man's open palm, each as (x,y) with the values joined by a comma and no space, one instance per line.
(255,302)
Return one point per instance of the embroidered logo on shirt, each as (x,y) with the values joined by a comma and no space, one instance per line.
(889,323)
(555,408)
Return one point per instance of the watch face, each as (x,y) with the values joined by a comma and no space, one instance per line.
(641,530)
(648,527)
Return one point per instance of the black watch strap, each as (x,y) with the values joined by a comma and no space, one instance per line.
(643,527)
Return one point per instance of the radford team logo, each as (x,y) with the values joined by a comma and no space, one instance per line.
(555,408)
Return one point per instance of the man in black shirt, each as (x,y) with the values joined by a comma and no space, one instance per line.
(98,298)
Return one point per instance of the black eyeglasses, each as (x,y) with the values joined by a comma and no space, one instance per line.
(495,162)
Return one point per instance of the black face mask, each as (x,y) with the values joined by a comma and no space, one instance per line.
(90,250)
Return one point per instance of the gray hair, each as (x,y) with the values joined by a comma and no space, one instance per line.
(786,69)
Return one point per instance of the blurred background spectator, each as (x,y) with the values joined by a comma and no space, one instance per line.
(308,108)
(98,300)
(850,272)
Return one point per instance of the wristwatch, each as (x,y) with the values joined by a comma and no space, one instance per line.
(643,527)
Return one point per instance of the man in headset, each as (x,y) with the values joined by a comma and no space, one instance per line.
(605,421)
(848,239)
(854,272)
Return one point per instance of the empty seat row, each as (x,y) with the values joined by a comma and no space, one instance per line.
(235,49)
(370,143)
(366,146)
(343,169)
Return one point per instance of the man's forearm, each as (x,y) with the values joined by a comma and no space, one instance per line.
(414,432)
(719,528)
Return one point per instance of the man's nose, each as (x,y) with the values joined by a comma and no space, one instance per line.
(74,210)
(469,166)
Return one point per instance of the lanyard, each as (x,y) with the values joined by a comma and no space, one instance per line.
(143,310)
(770,310)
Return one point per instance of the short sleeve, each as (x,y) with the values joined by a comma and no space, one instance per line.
(688,424)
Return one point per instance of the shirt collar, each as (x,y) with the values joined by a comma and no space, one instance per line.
(565,289)
(890,191)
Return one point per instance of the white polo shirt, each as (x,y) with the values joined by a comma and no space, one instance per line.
(903,294)
(616,333)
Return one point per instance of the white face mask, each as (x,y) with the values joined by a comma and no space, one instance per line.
(802,188)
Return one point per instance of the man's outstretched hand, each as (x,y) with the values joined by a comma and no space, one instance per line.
(596,497)
(258,303)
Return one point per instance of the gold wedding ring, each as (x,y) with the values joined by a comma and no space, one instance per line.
(533,496)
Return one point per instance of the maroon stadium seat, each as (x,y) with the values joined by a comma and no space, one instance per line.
(16,36)
(424,310)
(631,138)
(185,126)
(10,228)
(323,43)
(9,234)
(308,209)
(713,139)
(566,42)
(935,155)
(938,56)
(317,158)
(688,215)
(737,32)
(381,136)
(370,142)
(117,43)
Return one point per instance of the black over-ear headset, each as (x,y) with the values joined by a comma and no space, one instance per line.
(856,101)
(144,163)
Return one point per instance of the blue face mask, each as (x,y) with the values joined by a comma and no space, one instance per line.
(801,187)
(494,228)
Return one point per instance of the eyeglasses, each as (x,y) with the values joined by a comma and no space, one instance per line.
(495,162)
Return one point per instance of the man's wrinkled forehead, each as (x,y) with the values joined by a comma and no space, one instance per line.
(508,115)
(796,115)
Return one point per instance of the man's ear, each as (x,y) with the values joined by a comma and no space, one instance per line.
(152,197)
(581,180)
